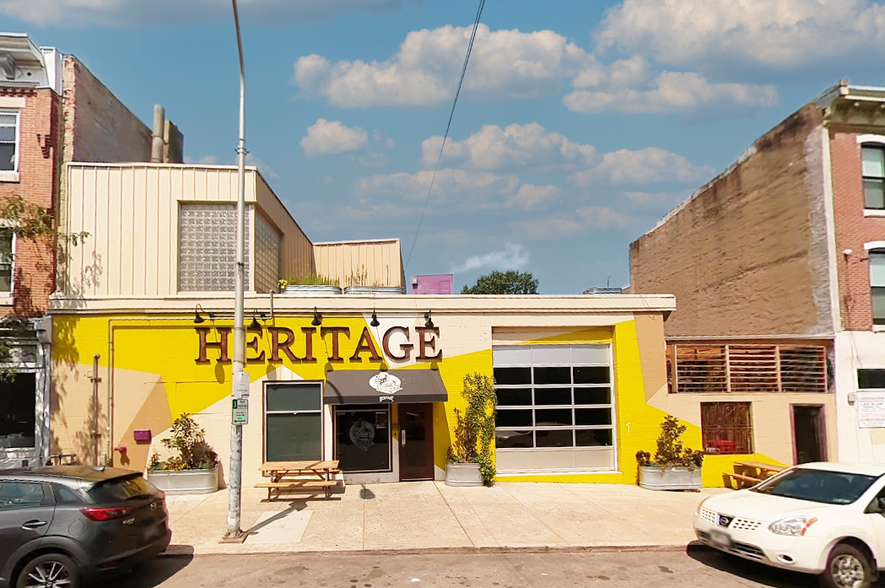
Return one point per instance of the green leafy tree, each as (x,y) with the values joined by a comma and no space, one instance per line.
(509,282)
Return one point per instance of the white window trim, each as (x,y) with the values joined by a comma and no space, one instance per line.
(874,245)
(6,298)
(878,140)
(13,176)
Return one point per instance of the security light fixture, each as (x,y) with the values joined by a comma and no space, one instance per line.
(317,318)
(255,325)
(428,322)
(374,322)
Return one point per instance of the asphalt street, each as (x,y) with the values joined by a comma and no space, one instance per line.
(695,566)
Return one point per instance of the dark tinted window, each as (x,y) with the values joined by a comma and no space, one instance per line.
(509,439)
(553,375)
(514,418)
(870,379)
(64,495)
(593,416)
(550,396)
(506,376)
(594,437)
(120,489)
(817,486)
(592,375)
(554,438)
(20,495)
(514,396)
(592,396)
(549,417)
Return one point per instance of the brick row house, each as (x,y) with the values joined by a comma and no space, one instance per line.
(52,111)
(778,268)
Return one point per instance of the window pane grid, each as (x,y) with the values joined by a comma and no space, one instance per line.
(8,141)
(526,422)
(873,166)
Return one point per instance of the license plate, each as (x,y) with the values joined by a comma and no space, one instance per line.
(720,539)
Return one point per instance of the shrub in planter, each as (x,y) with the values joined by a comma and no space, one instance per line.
(471,452)
(193,470)
(674,466)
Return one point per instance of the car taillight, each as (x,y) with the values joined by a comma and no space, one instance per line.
(106,514)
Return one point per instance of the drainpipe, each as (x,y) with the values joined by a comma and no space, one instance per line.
(96,435)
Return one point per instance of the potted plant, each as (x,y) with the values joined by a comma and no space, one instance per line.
(310,283)
(673,467)
(194,470)
(469,460)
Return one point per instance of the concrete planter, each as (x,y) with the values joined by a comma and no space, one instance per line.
(185,481)
(312,290)
(657,478)
(463,474)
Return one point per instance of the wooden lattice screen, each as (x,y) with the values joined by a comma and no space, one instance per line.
(727,427)
(747,368)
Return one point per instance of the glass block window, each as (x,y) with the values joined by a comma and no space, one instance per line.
(555,407)
(207,247)
(267,255)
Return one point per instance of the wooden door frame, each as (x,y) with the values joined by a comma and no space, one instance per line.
(428,435)
(822,423)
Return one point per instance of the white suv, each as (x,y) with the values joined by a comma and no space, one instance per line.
(818,518)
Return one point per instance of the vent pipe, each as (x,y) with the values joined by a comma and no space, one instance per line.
(158,145)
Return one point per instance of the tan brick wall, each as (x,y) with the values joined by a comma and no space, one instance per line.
(853,229)
(38,180)
(739,256)
(98,127)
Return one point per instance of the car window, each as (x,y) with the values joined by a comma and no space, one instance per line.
(20,495)
(817,486)
(64,495)
(119,489)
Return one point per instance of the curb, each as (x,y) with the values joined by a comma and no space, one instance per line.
(188,551)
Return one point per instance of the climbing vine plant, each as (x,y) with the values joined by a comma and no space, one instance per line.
(475,428)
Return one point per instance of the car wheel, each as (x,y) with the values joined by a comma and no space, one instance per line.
(848,567)
(51,570)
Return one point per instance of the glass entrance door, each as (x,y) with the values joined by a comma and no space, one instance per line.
(415,442)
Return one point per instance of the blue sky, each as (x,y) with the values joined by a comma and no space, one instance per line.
(580,125)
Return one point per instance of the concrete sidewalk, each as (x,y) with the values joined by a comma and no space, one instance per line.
(421,516)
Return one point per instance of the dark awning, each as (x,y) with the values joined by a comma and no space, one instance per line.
(372,387)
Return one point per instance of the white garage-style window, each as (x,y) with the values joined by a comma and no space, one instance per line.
(555,408)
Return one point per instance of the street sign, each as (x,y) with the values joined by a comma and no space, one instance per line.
(241,411)
(241,385)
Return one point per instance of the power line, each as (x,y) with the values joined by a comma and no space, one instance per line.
(482,4)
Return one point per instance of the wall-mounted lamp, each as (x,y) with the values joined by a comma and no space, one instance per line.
(317,318)
(428,322)
(847,252)
(374,322)
(255,325)
(199,319)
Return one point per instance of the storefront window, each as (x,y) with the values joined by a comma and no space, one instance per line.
(293,422)
(554,405)
(18,411)
(362,438)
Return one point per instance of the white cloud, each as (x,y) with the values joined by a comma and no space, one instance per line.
(205,160)
(133,13)
(262,167)
(559,226)
(776,34)
(512,257)
(641,167)
(330,137)
(672,92)
(451,185)
(530,197)
(513,146)
(645,200)
(382,138)
(504,65)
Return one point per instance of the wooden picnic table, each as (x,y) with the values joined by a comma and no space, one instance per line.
(766,469)
(294,476)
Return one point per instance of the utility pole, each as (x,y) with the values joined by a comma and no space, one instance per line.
(234,533)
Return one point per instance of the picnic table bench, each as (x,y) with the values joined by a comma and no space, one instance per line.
(750,473)
(295,476)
